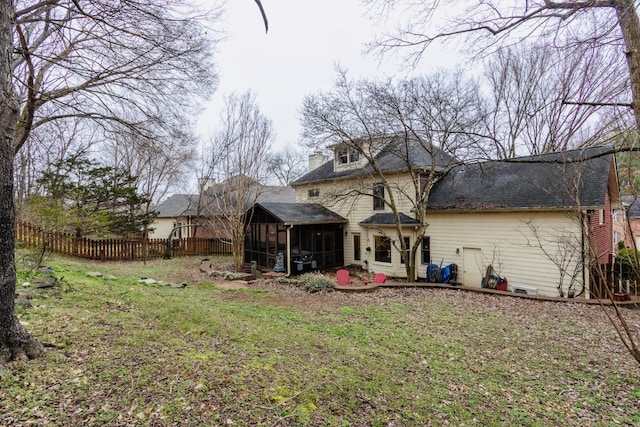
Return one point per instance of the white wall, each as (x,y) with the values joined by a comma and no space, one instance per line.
(340,197)
(509,244)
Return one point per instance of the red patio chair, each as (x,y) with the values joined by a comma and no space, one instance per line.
(377,279)
(343,278)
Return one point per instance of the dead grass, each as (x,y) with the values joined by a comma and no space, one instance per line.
(131,354)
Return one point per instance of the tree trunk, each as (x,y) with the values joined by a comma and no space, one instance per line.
(15,341)
(630,27)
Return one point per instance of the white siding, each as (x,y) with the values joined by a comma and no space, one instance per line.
(163,226)
(341,198)
(508,243)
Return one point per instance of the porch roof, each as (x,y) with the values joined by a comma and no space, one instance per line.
(387,218)
(302,213)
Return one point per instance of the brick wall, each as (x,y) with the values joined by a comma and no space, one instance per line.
(601,231)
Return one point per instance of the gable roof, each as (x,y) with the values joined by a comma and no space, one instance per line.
(547,181)
(301,213)
(392,158)
(178,205)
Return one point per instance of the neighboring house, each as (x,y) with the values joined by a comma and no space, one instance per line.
(177,216)
(632,205)
(541,221)
(190,215)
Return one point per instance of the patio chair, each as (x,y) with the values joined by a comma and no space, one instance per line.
(343,278)
(377,279)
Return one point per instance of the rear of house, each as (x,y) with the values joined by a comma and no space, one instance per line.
(543,222)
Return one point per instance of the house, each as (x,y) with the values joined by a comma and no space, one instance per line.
(542,222)
(349,188)
(632,211)
(191,215)
(177,216)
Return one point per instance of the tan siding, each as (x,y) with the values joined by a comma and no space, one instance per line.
(507,243)
(356,208)
(162,227)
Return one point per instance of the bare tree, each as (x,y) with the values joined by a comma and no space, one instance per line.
(127,65)
(287,165)
(433,122)
(605,24)
(538,99)
(236,160)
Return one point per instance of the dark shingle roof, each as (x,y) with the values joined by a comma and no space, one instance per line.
(387,218)
(633,203)
(545,181)
(302,213)
(276,194)
(391,158)
(178,205)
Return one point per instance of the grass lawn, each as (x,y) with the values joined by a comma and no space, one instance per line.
(125,353)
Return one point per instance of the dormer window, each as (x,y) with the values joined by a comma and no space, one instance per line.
(343,156)
(347,155)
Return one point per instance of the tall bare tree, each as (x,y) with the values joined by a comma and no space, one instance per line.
(485,25)
(286,165)
(541,101)
(237,161)
(126,66)
(434,121)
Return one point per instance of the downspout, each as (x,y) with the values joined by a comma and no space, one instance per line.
(584,263)
(288,257)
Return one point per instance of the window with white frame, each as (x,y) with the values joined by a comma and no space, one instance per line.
(383,249)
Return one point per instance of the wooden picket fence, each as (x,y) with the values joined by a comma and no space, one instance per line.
(117,249)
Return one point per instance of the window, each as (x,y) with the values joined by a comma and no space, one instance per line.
(378,197)
(601,216)
(617,215)
(177,230)
(356,247)
(314,193)
(354,155)
(426,250)
(383,249)
(343,156)
(346,155)
(407,245)
(617,237)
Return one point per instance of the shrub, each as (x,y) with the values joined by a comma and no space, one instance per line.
(310,282)
(315,282)
(626,257)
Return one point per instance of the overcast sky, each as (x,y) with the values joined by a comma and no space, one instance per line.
(306,39)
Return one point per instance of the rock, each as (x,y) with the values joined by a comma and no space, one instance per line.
(26,284)
(178,285)
(94,274)
(45,269)
(147,281)
(26,294)
(24,303)
(109,277)
(46,282)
